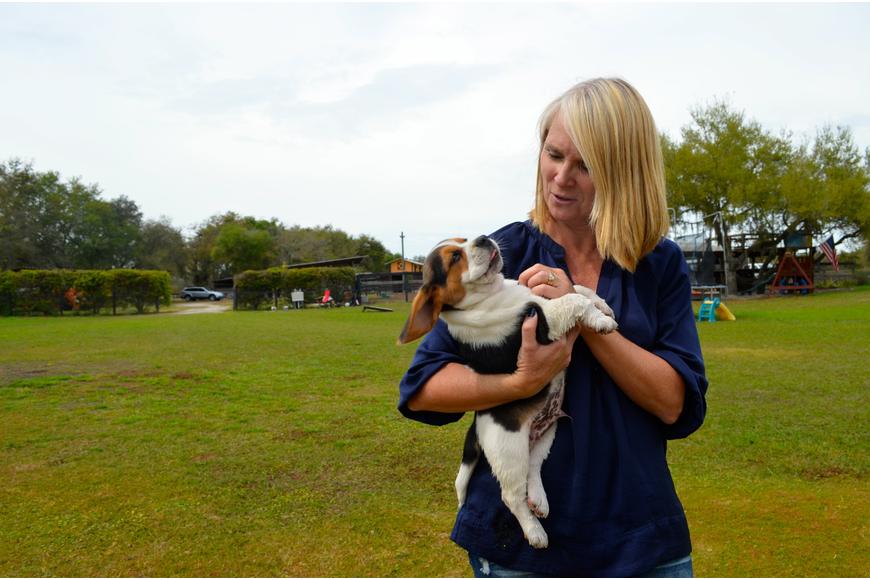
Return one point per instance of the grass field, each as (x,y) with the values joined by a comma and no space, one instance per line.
(268,444)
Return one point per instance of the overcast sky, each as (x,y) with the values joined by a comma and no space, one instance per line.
(386,118)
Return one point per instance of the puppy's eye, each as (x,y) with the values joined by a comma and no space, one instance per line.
(457,255)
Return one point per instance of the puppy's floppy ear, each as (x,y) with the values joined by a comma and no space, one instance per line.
(424,313)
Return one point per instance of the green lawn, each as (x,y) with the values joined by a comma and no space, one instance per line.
(268,444)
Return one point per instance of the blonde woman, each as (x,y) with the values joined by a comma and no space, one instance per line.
(599,220)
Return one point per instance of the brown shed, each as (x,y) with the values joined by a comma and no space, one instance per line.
(410,266)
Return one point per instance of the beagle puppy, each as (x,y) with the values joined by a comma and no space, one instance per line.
(484,312)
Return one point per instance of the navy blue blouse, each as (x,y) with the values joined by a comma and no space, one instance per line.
(613,507)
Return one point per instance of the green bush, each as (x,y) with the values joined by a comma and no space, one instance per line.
(253,287)
(141,288)
(96,289)
(50,291)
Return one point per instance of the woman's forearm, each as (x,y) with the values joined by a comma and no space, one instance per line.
(458,389)
(645,378)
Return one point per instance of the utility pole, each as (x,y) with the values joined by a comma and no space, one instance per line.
(404,273)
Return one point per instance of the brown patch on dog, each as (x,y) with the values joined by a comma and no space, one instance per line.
(442,285)
(454,291)
(424,313)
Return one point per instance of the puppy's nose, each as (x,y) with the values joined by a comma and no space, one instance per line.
(481,241)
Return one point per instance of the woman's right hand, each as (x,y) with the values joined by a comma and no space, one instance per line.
(537,363)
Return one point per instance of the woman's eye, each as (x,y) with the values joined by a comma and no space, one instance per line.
(553,155)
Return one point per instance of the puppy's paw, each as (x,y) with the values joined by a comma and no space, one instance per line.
(537,501)
(596,300)
(537,537)
(598,321)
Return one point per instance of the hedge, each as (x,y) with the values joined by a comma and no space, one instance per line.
(253,287)
(49,291)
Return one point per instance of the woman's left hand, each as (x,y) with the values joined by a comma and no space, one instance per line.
(546,281)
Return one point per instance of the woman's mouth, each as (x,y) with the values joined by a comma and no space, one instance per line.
(561,199)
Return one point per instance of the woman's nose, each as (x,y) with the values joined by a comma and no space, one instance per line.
(564,177)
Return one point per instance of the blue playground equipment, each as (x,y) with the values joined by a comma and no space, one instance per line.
(708,308)
(711,307)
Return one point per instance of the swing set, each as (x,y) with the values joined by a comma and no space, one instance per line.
(703,263)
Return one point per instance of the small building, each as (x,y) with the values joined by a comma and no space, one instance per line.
(410,266)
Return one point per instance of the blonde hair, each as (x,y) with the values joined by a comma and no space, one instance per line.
(613,130)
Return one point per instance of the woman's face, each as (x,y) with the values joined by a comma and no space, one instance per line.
(568,189)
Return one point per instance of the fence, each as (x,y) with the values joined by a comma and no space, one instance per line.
(824,272)
(388,283)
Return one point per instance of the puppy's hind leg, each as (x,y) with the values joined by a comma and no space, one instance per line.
(508,455)
(538,453)
(470,456)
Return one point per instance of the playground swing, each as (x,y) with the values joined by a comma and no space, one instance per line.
(703,263)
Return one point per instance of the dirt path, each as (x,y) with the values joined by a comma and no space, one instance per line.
(201,307)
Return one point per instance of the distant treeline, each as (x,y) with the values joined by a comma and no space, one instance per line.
(49,223)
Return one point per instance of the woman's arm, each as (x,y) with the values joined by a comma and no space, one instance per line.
(644,377)
(457,389)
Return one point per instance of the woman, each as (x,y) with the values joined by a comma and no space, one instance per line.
(599,219)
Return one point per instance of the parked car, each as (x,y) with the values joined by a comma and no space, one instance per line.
(199,293)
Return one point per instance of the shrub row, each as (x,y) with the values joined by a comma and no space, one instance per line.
(253,287)
(48,291)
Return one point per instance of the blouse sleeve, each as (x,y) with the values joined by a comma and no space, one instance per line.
(677,342)
(435,351)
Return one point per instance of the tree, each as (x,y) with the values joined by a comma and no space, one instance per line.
(162,247)
(840,186)
(20,198)
(725,165)
(45,223)
(758,182)
(241,248)
(202,267)
(109,235)
(377,254)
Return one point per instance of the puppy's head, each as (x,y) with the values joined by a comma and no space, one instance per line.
(455,272)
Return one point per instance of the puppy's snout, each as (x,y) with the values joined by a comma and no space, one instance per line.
(481,242)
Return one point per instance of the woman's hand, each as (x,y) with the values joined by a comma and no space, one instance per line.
(546,281)
(537,363)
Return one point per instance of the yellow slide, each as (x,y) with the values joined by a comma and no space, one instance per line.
(723,313)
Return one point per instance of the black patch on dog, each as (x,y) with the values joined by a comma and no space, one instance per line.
(436,274)
(471,450)
(501,358)
(493,359)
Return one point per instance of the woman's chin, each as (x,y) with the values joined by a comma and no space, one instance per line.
(567,214)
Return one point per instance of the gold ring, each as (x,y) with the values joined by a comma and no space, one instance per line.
(551,279)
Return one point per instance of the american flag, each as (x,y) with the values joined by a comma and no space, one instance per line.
(827,248)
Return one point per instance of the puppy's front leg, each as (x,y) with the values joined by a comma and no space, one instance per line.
(596,300)
(565,312)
